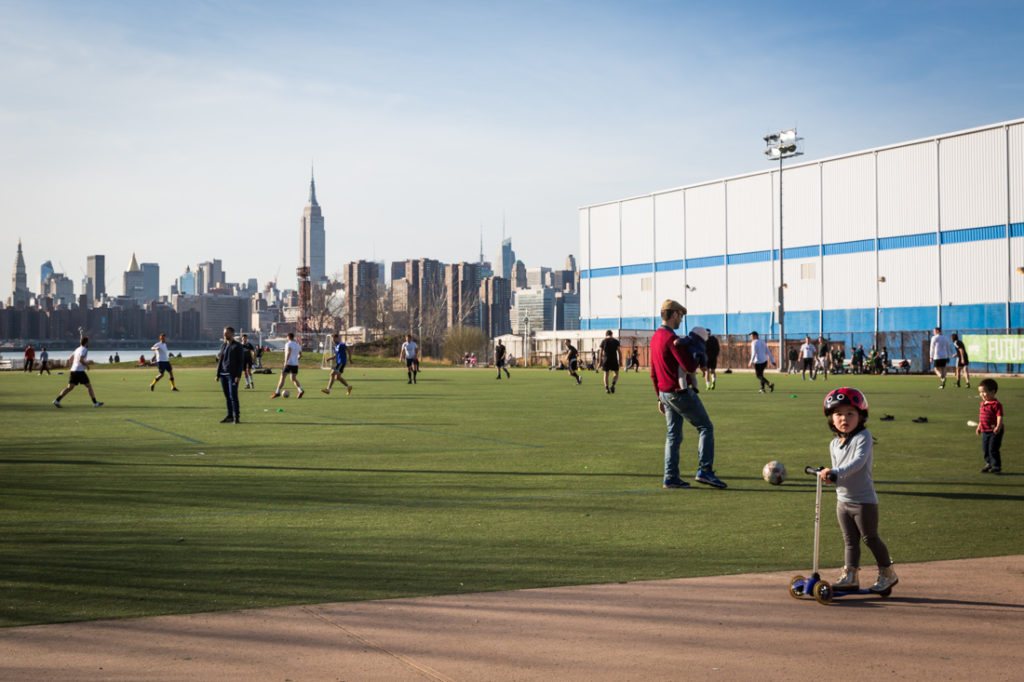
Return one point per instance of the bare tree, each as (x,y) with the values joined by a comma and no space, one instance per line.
(327,307)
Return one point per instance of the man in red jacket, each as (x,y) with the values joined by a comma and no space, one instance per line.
(668,356)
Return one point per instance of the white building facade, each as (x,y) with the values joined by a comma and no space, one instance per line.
(888,241)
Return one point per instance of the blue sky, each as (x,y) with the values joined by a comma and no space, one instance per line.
(185,131)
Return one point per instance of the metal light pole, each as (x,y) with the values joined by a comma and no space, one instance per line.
(782,145)
(526,341)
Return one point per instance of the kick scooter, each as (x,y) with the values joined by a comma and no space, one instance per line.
(814,586)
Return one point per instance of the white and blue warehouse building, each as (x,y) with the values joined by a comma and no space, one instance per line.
(878,246)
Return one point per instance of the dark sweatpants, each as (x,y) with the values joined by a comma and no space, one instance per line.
(859,521)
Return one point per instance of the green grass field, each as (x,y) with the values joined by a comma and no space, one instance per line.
(460,483)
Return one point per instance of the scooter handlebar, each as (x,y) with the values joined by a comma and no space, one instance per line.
(813,471)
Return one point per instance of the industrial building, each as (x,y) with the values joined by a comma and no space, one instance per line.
(877,246)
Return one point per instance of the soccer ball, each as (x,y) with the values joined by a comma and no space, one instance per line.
(774,472)
(285,393)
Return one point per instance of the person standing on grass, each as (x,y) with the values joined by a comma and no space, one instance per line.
(572,360)
(807,353)
(79,373)
(163,363)
(30,358)
(247,361)
(499,360)
(760,357)
(990,426)
(44,363)
(962,361)
(340,360)
(292,353)
(410,353)
(824,357)
(939,354)
(230,361)
(711,350)
(634,360)
(610,358)
(668,356)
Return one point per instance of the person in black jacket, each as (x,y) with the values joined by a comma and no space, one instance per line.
(230,362)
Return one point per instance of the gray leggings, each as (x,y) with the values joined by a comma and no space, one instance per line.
(861,521)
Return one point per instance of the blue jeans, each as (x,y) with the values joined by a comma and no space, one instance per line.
(230,387)
(687,405)
(991,444)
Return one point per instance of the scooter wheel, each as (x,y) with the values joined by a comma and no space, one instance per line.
(796,587)
(822,592)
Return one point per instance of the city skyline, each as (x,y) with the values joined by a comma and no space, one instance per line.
(184,132)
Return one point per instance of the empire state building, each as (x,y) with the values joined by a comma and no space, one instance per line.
(312,239)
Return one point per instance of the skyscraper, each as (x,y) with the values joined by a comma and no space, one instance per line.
(96,271)
(312,239)
(187,282)
(19,281)
(134,282)
(150,282)
(506,259)
(495,294)
(45,270)
(462,284)
(361,293)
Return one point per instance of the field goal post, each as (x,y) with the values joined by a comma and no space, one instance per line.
(327,356)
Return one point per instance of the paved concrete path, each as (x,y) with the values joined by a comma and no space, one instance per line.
(945,620)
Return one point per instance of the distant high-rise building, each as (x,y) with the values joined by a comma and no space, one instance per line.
(187,282)
(59,288)
(150,282)
(462,284)
(209,275)
(361,293)
(519,275)
(134,282)
(20,293)
(312,239)
(538,277)
(506,260)
(570,262)
(539,306)
(96,271)
(416,296)
(495,295)
(567,310)
(45,270)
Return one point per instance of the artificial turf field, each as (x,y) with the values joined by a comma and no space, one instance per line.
(460,483)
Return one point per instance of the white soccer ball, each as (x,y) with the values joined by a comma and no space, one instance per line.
(774,472)
(285,393)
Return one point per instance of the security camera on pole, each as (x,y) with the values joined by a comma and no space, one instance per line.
(782,145)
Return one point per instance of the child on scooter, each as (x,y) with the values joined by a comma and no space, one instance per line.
(856,502)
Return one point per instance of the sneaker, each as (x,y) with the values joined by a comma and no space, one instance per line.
(152,387)
(771,387)
(237,419)
(613,388)
(986,470)
(410,381)
(275,394)
(709,478)
(227,420)
(760,390)
(886,579)
(348,391)
(325,391)
(887,418)
(847,580)
(607,390)
(995,470)
(675,483)
(56,403)
(175,390)
(300,394)
(97,404)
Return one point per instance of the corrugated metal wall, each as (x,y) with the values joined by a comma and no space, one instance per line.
(888,239)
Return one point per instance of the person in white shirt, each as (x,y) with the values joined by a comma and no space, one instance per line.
(292,353)
(807,351)
(410,353)
(760,356)
(79,365)
(939,353)
(163,363)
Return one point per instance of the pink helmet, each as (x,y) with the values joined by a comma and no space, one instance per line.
(845,396)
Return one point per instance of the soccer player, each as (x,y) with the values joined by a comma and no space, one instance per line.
(163,363)
(572,360)
(247,361)
(340,360)
(410,352)
(610,359)
(292,353)
(499,359)
(79,373)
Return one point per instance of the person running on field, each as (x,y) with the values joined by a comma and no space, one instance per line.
(79,373)
(163,363)
(824,357)
(247,361)
(760,357)
(939,353)
(44,363)
(610,358)
(410,353)
(634,360)
(340,360)
(292,353)
(572,361)
(499,359)
(711,350)
(852,455)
